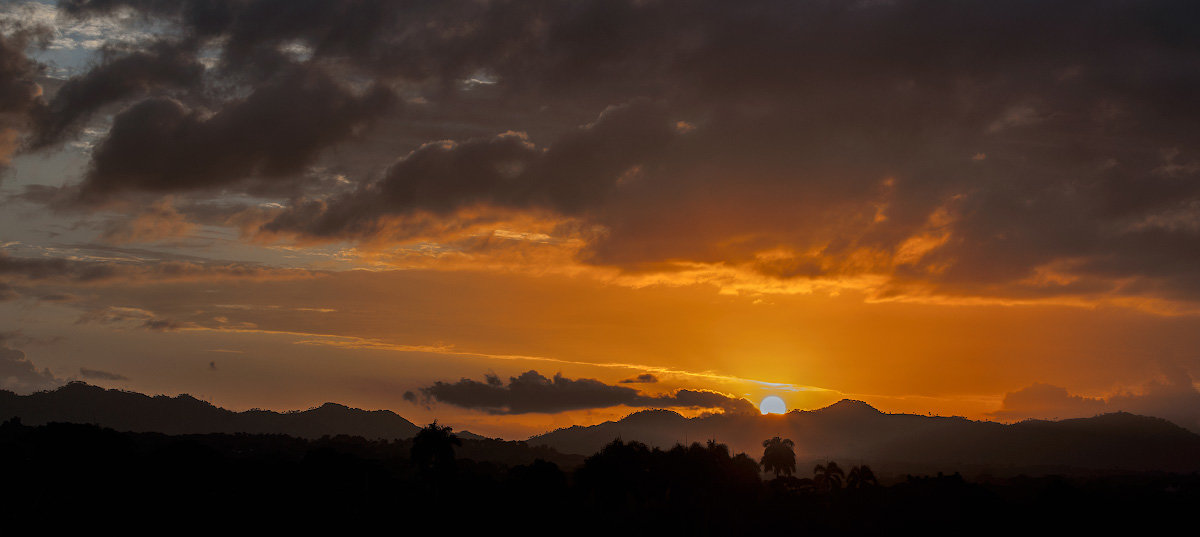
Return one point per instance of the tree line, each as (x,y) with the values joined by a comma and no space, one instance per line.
(103,476)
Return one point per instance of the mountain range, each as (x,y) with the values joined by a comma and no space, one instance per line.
(853,431)
(848,431)
(78,402)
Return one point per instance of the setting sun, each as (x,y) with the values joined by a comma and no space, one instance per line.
(772,405)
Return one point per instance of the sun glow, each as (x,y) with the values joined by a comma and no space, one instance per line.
(772,405)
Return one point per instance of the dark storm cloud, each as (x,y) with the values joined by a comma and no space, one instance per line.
(119,75)
(1019,150)
(1042,132)
(532,392)
(18,92)
(162,145)
(20,95)
(414,40)
(644,378)
(579,171)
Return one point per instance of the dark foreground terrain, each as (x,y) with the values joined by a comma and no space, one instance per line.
(66,475)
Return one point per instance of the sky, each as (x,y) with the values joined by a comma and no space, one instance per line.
(515,216)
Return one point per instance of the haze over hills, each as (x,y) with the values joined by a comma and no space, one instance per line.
(855,431)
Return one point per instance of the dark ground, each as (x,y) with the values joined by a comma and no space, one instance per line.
(67,475)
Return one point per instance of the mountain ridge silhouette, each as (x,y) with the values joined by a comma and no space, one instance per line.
(846,430)
(78,402)
(854,430)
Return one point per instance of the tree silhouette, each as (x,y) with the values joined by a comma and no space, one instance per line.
(828,477)
(778,456)
(861,477)
(721,451)
(433,448)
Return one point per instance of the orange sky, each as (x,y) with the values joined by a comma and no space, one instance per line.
(364,338)
(805,199)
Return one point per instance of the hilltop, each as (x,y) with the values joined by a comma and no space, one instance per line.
(78,402)
(853,430)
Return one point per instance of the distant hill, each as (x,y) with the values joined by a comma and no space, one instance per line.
(468,435)
(851,431)
(847,431)
(78,402)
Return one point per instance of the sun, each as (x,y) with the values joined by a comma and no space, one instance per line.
(772,404)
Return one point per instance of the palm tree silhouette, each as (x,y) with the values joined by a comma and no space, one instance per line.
(433,447)
(778,456)
(861,477)
(829,476)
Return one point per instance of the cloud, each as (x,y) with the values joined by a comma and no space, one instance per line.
(853,161)
(162,145)
(20,95)
(8,293)
(1047,401)
(579,171)
(160,324)
(1174,397)
(58,297)
(18,374)
(120,74)
(79,270)
(96,374)
(136,317)
(394,39)
(786,142)
(645,378)
(161,220)
(532,392)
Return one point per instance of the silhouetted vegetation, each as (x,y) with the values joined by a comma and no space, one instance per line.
(861,477)
(779,456)
(101,476)
(433,448)
(828,477)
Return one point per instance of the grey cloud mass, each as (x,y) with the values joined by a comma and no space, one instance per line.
(532,392)
(119,75)
(1015,150)
(20,95)
(162,145)
(578,172)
